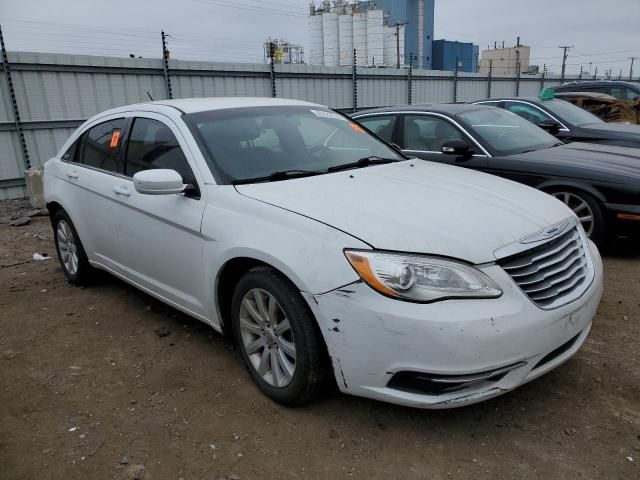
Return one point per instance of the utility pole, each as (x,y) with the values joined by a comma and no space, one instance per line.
(631,68)
(566,49)
(398,25)
(272,69)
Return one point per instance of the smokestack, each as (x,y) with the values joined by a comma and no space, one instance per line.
(518,44)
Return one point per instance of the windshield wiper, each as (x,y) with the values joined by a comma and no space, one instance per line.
(279,175)
(363,162)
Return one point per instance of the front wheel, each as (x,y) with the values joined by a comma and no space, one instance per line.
(278,337)
(71,254)
(588,211)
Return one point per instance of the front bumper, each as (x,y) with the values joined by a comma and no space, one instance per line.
(371,338)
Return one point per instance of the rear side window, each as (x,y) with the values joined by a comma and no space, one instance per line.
(380,125)
(99,146)
(152,145)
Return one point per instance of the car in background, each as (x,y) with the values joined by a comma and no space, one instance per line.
(600,183)
(628,91)
(324,251)
(569,122)
(606,107)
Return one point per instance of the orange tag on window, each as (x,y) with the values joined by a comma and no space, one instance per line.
(357,127)
(115,137)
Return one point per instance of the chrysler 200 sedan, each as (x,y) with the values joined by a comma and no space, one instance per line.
(325,252)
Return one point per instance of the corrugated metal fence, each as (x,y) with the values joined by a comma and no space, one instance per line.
(55,93)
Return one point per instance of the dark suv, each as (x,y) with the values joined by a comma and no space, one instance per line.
(619,89)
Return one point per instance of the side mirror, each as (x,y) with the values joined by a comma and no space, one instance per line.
(456,147)
(158,182)
(550,126)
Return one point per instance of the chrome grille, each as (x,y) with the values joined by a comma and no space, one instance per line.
(554,273)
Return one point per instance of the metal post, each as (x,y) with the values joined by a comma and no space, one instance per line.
(518,69)
(633,59)
(544,73)
(455,83)
(165,65)
(354,81)
(410,80)
(14,104)
(580,77)
(272,56)
(398,46)
(489,78)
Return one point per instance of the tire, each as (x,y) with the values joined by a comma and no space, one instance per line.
(585,206)
(261,341)
(68,246)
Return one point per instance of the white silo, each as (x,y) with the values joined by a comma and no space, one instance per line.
(375,37)
(360,37)
(316,50)
(330,36)
(345,34)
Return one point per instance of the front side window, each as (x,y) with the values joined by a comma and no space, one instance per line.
(153,145)
(528,112)
(624,93)
(504,132)
(100,145)
(248,143)
(381,125)
(426,133)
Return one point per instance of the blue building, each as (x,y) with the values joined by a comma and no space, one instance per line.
(446,53)
(417,16)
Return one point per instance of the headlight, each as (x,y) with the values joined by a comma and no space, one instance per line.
(420,278)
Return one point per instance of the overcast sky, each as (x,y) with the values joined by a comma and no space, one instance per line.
(604,33)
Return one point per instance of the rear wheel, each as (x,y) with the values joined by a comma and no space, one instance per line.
(71,254)
(588,211)
(278,337)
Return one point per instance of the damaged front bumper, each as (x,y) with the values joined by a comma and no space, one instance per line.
(450,353)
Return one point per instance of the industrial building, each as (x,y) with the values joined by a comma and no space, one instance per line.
(377,30)
(446,53)
(504,61)
(284,52)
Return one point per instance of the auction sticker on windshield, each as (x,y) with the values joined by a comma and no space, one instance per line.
(333,115)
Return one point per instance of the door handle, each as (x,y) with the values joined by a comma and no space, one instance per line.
(72,174)
(120,190)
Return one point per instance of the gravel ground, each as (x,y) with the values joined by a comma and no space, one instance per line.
(89,389)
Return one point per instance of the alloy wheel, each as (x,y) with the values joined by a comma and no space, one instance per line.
(267,337)
(67,247)
(580,207)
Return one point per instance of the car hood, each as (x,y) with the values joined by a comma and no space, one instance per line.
(594,161)
(614,130)
(418,206)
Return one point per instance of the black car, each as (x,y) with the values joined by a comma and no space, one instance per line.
(601,184)
(616,88)
(568,122)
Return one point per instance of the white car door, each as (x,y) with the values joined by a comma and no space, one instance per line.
(158,239)
(90,167)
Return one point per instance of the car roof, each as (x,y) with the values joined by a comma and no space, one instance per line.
(444,108)
(598,82)
(203,104)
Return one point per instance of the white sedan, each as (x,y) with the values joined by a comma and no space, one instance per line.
(324,251)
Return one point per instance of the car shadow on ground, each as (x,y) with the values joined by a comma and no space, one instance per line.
(623,248)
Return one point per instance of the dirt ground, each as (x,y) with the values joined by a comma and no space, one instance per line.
(89,390)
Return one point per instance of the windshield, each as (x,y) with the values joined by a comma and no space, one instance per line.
(570,113)
(506,133)
(253,143)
